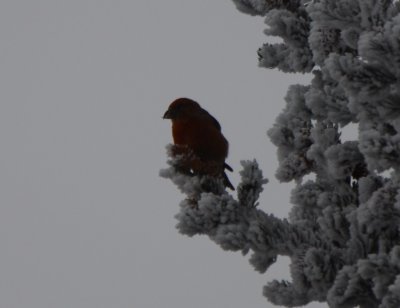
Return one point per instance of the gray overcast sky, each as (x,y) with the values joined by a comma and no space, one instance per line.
(85,221)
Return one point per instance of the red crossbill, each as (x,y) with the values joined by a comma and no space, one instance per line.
(197,132)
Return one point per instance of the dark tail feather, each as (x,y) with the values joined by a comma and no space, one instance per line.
(225,177)
(227,182)
(226,166)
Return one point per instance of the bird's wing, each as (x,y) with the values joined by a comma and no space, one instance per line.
(213,120)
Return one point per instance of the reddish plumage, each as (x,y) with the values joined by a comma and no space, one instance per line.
(194,129)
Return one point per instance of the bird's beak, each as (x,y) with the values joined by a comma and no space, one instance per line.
(167,115)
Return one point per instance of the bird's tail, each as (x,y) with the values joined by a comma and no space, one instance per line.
(227,182)
(226,166)
(225,177)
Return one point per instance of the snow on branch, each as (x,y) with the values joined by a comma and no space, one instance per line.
(234,224)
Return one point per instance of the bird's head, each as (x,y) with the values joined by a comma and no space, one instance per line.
(181,107)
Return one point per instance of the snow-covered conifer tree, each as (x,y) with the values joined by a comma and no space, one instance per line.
(342,235)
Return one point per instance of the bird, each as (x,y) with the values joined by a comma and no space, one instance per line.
(196,131)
